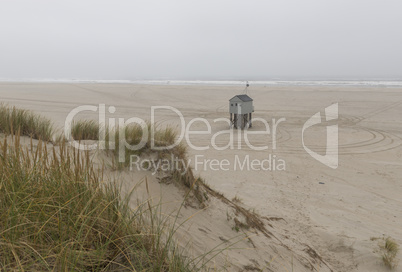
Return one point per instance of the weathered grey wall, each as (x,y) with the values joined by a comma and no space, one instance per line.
(246,107)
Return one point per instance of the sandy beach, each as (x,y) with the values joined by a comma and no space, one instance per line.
(337,212)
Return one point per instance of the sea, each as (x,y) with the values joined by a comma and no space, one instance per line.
(351,83)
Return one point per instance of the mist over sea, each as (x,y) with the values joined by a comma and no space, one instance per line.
(350,83)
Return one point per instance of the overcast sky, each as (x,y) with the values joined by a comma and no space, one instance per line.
(97,39)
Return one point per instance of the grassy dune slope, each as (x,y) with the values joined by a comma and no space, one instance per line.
(58,213)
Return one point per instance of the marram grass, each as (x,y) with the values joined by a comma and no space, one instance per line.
(57,213)
(27,123)
(85,130)
(390,251)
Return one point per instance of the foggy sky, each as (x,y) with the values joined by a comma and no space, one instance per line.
(97,39)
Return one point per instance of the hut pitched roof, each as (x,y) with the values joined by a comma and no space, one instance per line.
(242,97)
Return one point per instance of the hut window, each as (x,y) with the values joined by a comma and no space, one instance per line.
(232,105)
(236,104)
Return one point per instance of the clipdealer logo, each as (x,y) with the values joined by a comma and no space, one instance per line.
(330,158)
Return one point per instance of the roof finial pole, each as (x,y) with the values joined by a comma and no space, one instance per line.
(245,90)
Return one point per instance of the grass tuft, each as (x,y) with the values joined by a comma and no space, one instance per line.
(390,250)
(26,122)
(85,130)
